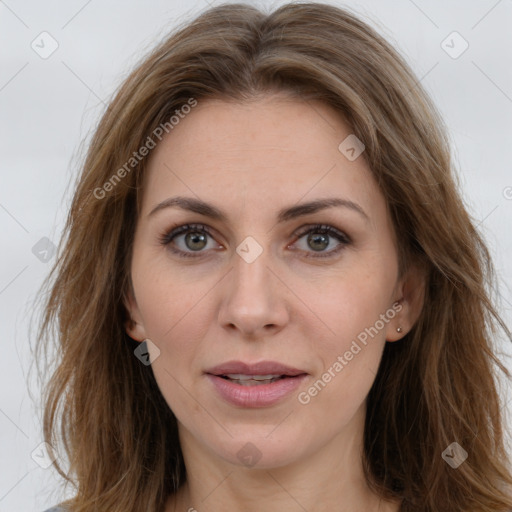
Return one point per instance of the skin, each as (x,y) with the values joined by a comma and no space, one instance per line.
(250,160)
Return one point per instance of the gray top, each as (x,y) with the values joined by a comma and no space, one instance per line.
(56,509)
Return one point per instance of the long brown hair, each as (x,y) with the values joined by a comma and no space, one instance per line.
(437,386)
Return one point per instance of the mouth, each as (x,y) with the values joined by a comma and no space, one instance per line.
(255,385)
(254,373)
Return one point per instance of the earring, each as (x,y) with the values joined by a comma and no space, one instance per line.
(398,329)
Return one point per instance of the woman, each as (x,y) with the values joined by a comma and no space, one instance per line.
(270,295)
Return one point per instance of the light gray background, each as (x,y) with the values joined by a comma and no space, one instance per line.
(48,106)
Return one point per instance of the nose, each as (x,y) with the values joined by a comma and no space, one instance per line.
(253,299)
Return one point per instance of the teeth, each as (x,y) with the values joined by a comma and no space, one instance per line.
(252,380)
(240,376)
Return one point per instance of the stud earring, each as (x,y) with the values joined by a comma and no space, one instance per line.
(398,329)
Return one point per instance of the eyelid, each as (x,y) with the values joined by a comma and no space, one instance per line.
(327,228)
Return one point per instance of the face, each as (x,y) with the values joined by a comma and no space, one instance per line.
(309,293)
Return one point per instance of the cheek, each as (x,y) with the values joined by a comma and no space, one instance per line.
(348,366)
(355,307)
(167,298)
(351,302)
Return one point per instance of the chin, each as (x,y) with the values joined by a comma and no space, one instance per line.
(260,450)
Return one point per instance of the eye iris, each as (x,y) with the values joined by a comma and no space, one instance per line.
(195,238)
(318,239)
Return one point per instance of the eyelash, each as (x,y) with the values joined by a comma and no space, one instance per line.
(167,237)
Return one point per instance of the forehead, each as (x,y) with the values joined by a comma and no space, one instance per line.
(263,153)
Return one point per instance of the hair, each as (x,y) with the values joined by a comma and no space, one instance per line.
(438,385)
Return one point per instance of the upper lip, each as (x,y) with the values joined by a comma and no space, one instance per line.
(260,368)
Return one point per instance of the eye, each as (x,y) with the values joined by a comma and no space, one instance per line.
(193,238)
(318,239)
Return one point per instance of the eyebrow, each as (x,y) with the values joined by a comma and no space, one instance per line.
(292,212)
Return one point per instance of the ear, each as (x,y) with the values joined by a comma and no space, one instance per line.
(408,303)
(134,325)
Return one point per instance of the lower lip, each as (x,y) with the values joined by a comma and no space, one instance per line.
(260,395)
